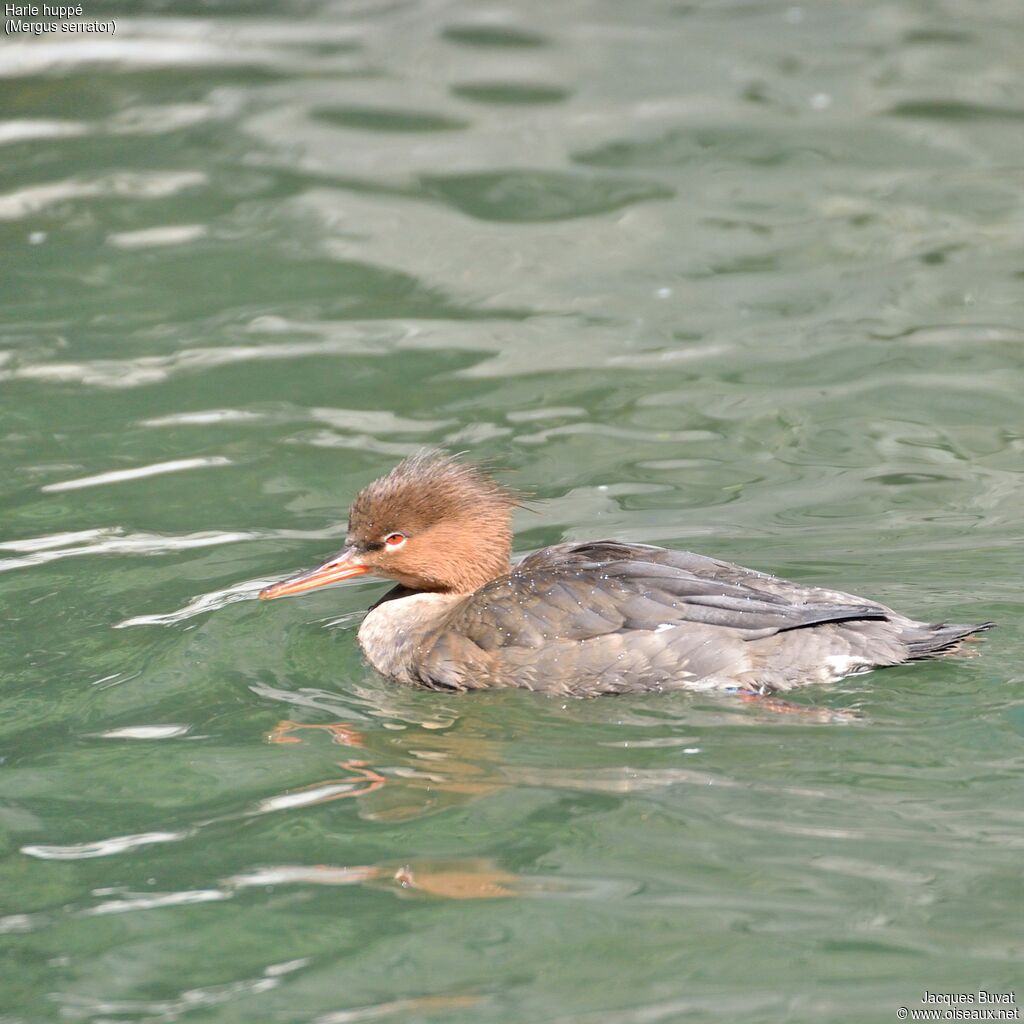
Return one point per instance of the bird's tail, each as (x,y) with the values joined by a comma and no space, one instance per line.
(942,639)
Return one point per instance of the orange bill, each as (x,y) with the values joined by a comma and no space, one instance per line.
(341,567)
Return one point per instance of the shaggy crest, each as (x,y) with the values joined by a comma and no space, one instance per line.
(457,519)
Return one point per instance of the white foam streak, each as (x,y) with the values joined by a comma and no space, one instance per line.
(19,131)
(120,475)
(201,419)
(147,238)
(17,924)
(113,541)
(102,847)
(129,373)
(151,901)
(145,732)
(306,797)
(246,591)
(374,421)
(35,198)
(55,540)
(163,1009)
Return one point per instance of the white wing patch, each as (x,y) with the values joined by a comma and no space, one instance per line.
(847,664)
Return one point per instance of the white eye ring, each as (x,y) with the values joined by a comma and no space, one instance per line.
(393,541)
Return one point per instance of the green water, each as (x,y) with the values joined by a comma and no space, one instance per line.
(743,278)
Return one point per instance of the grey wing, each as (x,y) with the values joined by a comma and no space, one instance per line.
(655,585)
(717,571)
(606,617)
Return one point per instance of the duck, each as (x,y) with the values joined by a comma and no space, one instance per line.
(591,618)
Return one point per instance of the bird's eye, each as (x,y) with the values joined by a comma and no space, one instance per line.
(394,540)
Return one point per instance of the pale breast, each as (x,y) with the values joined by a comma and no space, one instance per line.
(393,630)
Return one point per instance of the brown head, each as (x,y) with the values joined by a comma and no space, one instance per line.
(431,524)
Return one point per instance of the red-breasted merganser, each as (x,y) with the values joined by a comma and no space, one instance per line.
(591,618)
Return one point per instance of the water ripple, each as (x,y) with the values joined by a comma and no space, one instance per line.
(155,185)
(361,781)
(113,540)
(153,901)
(19,131)
(417,1006)
(145,732)
(130,373)
(147,238)
(120,475)
(188,1001)
(116,540)
(103,847)
(206,418)
(202,603)
(248,590)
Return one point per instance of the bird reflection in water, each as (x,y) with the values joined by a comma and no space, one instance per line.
(450,774)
